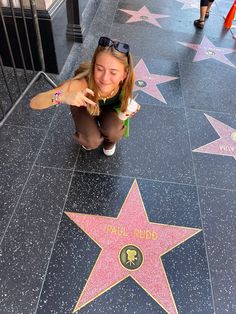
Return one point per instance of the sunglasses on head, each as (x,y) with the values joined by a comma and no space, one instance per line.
(107,42)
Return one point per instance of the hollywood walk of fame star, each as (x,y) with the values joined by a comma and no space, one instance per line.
(225,145)
(147,82)
(130,246)
(206,50)
(144,15)
(189,4)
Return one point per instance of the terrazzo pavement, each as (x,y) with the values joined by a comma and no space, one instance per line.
(46,259)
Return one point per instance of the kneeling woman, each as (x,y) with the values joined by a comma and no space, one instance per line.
(98,94)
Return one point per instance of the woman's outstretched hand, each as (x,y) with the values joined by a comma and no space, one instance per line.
(78,98)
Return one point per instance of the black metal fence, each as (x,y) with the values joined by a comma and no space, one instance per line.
(23,79)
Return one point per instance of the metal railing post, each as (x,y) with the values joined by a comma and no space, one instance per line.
(74,31)
(37,31)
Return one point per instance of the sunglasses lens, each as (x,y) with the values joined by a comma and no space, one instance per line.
(107,42)
(104,41)
(122,47)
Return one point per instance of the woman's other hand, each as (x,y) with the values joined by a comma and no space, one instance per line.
(78,98)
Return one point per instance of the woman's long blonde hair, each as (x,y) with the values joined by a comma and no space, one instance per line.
(87,68)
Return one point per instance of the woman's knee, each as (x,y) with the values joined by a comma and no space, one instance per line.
(114,133)
(92,143)
(111,126)
(89,141)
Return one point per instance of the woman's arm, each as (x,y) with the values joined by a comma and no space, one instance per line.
(72,92)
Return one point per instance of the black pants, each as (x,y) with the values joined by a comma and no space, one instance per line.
(92,131)
(204,3)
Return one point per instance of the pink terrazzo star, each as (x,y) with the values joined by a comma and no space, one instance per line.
(131,246)
(225,145)
(189,4)
(206,50)
(144,15)
(147,82)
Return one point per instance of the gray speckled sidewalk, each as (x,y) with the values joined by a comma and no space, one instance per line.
(152,228)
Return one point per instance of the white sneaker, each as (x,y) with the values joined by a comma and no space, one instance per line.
(109,152)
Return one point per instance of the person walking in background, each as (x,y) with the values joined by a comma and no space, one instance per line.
(205,6)
(99,94)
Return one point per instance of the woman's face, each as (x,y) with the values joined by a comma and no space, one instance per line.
(108,73)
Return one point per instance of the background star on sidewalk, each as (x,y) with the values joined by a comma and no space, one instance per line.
(130,228)
(207,50)
(146,82)
(189,4)
(144,15)
(225,145)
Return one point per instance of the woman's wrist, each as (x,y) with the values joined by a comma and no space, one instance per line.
(56,98)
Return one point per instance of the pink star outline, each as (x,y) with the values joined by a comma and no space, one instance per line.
(144,15)
(142,73)
(189,4)
(206,50)
(108,269)
(225,145)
